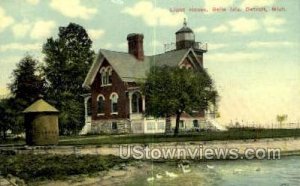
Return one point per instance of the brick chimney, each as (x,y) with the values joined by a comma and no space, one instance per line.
(135,45)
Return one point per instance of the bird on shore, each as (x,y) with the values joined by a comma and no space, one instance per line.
(158,176)
(210,166)
(237,171)
(171,174)
(184,168)
(150,179)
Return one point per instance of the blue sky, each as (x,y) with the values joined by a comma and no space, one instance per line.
(254,57)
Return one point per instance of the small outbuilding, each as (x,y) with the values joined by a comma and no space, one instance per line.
(41,124)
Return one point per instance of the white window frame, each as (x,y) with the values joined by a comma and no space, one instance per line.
(109,75)
(102,96)
(111,102)
(105,72)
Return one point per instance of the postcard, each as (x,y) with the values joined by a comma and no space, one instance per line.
(149,92)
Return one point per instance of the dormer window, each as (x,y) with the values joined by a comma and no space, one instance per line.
(106,76)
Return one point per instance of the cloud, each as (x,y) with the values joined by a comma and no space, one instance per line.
(215,46)
(154,16)
(119,2)
(200,29)
(209,4)
(21,29)
(20,47)
(122,46)
(273,21)
(234,57)
(274,30)
(270,44)
(273,24)
(33,2)
(73,9)
(220,29)
(42,29)
(95,33)
(244,25)
(107,45)
(155,43)
(5,20)
(257,3)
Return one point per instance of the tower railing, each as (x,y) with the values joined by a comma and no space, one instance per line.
(196,45)
(169,46)
(200,45)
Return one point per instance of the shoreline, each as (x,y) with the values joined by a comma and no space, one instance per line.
(122,176)
(287,146)
(127,171)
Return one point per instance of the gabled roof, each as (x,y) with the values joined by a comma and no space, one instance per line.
(129,68)
(40,106)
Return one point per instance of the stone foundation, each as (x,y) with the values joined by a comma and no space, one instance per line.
(142,126)
(106,126)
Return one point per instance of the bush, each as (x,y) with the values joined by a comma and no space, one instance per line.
(38,167)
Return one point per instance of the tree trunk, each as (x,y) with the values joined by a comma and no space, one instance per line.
(4,134)
(3,130)
(168,125)
(178,114)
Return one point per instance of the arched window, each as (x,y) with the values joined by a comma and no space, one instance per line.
(114,102)
(89,106)
(103,76)
(137,103)
(106,75)
(109,75)
(101,104)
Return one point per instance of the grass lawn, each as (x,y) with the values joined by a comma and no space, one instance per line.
(32,168)
(231,134)
(15,141)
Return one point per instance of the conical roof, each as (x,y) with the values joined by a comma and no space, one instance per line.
(40,106)
(185,28)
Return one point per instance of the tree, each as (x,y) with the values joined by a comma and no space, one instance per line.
(67,60)
(6,116)
(172,91)
(26,86)
(28,82)
(281,118)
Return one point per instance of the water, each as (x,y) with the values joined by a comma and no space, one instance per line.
(284,172)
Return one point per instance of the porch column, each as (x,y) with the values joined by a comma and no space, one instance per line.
(130,102)
(85,106)
(144,104)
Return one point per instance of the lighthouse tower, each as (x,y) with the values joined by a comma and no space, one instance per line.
(185,38)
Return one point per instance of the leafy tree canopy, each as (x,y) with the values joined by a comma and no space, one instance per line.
(281,118)
(27,82)
(171,91)
(26,86)
(67,60)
